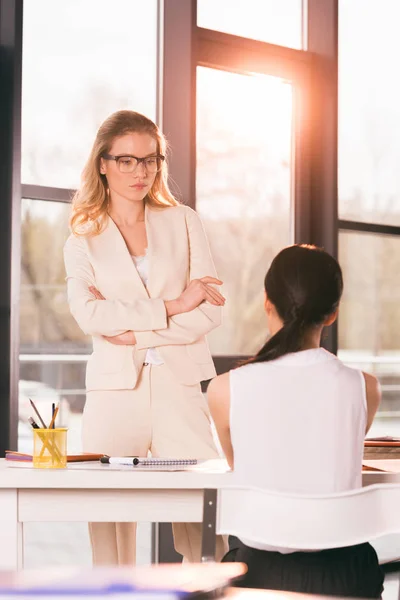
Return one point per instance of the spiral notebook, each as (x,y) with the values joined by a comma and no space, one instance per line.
(145,462)
(141,464)
(150,462)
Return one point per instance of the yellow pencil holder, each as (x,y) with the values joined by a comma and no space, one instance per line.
(50,448)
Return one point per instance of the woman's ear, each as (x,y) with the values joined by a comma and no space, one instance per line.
(102,166)
(267,304)
(331,319)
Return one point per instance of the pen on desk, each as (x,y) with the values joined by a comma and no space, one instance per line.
(53,419)
(119,460)
(53,408)
(38,414)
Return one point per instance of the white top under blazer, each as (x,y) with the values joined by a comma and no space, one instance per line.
(142,265)
(298,425)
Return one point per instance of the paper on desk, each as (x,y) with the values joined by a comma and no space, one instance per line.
(105,467)
(203,466)
(390,465)
(209,466)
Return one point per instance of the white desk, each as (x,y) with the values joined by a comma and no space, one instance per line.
(102,495)
(98,495)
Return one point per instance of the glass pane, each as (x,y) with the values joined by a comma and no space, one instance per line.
(369,322)
(274,21)
(81,62)
(244,140)
(53,349)
(369,111)
(53,356)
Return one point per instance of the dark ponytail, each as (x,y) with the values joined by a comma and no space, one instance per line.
(305,285)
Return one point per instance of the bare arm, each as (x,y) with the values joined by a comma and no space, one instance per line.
(105,317)
(218,394)
(374,396)
(188,327)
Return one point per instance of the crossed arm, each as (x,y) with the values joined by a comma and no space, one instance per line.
(155,322)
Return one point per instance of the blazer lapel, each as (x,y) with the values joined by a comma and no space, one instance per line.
(113,255)
(167,250)
(157,249)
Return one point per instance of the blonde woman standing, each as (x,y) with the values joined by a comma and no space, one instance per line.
(142,283)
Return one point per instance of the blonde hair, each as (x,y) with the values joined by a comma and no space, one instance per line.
(90,202)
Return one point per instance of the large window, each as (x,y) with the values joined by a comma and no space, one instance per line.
(244,141)
(369,111)
(53,350)
(75,73)
(369,333)
(369,196)
(82,61)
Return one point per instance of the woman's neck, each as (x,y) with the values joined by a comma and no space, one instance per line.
(125,213)
(312,338)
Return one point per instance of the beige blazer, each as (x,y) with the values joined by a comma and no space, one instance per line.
(178,252)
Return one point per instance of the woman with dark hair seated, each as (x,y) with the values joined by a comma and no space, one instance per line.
(293,420)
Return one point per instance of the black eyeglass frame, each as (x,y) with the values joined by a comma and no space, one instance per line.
(160,157)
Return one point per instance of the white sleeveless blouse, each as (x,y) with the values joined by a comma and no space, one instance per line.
(298,425)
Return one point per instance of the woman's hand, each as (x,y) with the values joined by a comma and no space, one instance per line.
(198,291)
(123,339)
(98,295)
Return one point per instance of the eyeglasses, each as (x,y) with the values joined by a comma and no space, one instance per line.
(128,163)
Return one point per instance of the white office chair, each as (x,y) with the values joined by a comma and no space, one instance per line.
(297,521)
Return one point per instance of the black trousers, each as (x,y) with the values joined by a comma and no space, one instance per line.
(351,572)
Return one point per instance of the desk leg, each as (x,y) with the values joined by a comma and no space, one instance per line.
(11,547)
(209,526)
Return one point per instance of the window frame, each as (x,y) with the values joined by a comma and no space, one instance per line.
(182,46)
(181,42)
(313,73)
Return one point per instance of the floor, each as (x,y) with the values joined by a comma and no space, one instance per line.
(67,544)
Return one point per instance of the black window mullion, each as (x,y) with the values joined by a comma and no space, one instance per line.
(217,50)
(179,95)
(41,192)
(10,223)
(317,210)
(364,227)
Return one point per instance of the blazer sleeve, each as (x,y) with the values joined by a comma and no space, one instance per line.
(105,317)
(189,327)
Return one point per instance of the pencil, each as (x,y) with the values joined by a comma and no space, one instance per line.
(53,420)
(38,414)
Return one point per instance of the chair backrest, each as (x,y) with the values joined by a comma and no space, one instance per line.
(309,522)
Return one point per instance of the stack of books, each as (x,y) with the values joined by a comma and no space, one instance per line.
(382,448)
